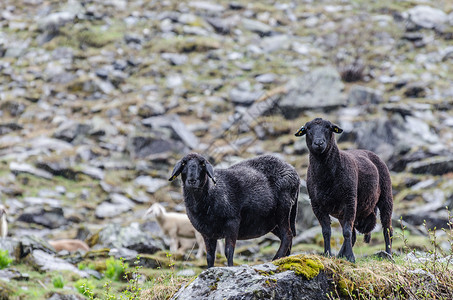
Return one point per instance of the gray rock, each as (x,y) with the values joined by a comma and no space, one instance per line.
(133,38)
(48,217)
(224,25)
(152,184)
(254,282)
(175,59)
(109,209)
(174,81)
(150,147)
(433,166)
(13,274)
(429,219)
(65,296)
(18,168)
(9,244)
(47,262)
(360,95)
(93,172)
(57,168)
(266,78)
(48,143)
(427,16)
(70,130)
(55,20)
(120,199)
(257,26)
(130,237)
(275,43)
(319,89)
(124,253)
(179,129)
(41,201)
(391,137)
(9,127)
(14,108)
(151,109)
(206,5)
(27,244)
(415,90)
(244,97)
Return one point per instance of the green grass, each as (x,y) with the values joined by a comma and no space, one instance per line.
(5,260)
(58,282)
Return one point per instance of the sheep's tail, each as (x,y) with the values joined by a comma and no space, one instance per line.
(293,213)
(367,238)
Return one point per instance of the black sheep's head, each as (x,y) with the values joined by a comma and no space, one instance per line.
(319,134)
(194,170)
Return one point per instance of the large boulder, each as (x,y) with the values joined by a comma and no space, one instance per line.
(426,16)
(320,89)
(130,237)
(294,277)
(43,261)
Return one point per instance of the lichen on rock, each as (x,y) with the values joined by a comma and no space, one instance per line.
(303,265)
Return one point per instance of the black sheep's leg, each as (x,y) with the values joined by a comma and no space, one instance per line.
(346,248)
(324,220)
(211,245)
(284,230)
(385,206)
(286,241)
(232,229)
(353,236)
(230,244)
(276,231)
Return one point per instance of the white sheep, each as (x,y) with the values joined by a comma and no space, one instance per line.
(3,222)
(178,227)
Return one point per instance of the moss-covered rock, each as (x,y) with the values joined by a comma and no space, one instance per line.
(303,265)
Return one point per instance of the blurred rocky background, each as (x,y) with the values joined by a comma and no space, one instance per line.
(100,98)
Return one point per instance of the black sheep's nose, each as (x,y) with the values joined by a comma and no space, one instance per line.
(191,181)
(318,142)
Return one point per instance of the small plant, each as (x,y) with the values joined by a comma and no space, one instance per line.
(115,268)
(85,287)
(84,266)
(132,291)
(107,291)
(5,260)
(58,282)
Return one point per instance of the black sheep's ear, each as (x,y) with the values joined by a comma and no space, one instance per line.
(210,171)
(177,170)
(301,131)
(336,129)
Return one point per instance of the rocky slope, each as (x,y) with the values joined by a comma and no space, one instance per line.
(98,100)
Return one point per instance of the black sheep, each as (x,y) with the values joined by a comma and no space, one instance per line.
(348,185)
(244,201)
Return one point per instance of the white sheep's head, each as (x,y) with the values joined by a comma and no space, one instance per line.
(319,135)
(155,210)
(194,170)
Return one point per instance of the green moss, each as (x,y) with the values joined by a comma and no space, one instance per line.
(345,286)
(271,282)
(303,265)
(264,273)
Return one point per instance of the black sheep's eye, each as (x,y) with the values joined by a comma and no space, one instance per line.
(203,165)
